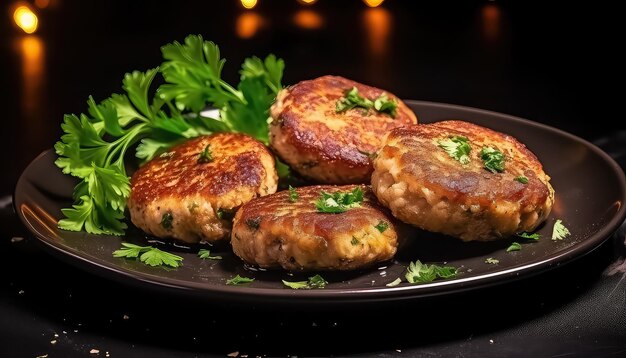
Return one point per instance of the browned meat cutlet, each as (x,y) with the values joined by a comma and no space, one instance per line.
(191,192)
(274,231)
(329,147)
(425,186)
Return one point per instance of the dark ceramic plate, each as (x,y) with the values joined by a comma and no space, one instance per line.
(590,195)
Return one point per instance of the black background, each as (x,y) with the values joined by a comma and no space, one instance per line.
(555,65)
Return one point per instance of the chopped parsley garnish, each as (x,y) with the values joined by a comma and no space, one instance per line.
(166,220)
(514,247)
(492,261)
(206,255)
(293,194)
(527,235)
(417,272)
(206,155)
(395,282)
(149,255)
(522,179)
(353,99)
(457,147)
(239,280)
(225,214)
(354,241)
(382,226)
(316,281)
(493,159)
(339,202)
(559,232)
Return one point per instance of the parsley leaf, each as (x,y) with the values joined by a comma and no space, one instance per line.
(239,280)
(293,194)
(339,202)
(492,261)
(316,281)
(206,155)
(353,99)
(514,247)
(493,159)
(522,179)
(526,235)
(457,147)
(417,272)
(149,255)
(94,145)
(394,283)
(382,226)
(206,254)
(559,232)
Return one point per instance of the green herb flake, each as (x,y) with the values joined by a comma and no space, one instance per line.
(417,272)
(560,232)
(339,202)
(354,241)
(206,156)
(457,147)
(316,281)
(206,255)
(492,261)
(394,283)
(522,179)
(352,99)
(514,247)
(293,194)
(526,235)
(382,226)
(166,220)
(148,255)
(493,159)
(239,280)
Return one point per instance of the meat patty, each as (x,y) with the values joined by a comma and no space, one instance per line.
(274,231)
(425,186)
(319,143)
(191,192)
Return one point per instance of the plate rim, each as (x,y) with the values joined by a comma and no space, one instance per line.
(377,294)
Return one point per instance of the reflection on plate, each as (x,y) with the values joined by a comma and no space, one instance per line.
(590,195)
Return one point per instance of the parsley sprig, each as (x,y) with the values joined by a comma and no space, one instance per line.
(339,202)
(94,146)
(352,99)
(457,147)
(149,255)
(417,272)
(316,281)
(493,159)
(559,231)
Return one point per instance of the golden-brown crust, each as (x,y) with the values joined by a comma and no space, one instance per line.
(424,186)
(178,173)
(195,193)
(330,147)
(426,163)
(273,231)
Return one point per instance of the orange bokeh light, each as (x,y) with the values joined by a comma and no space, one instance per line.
(373,3)
(248,4)
(308,19)
(307,2)
(248,24)
(26,19)
(378,27)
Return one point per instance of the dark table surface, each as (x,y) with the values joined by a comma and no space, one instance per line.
(557,66)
